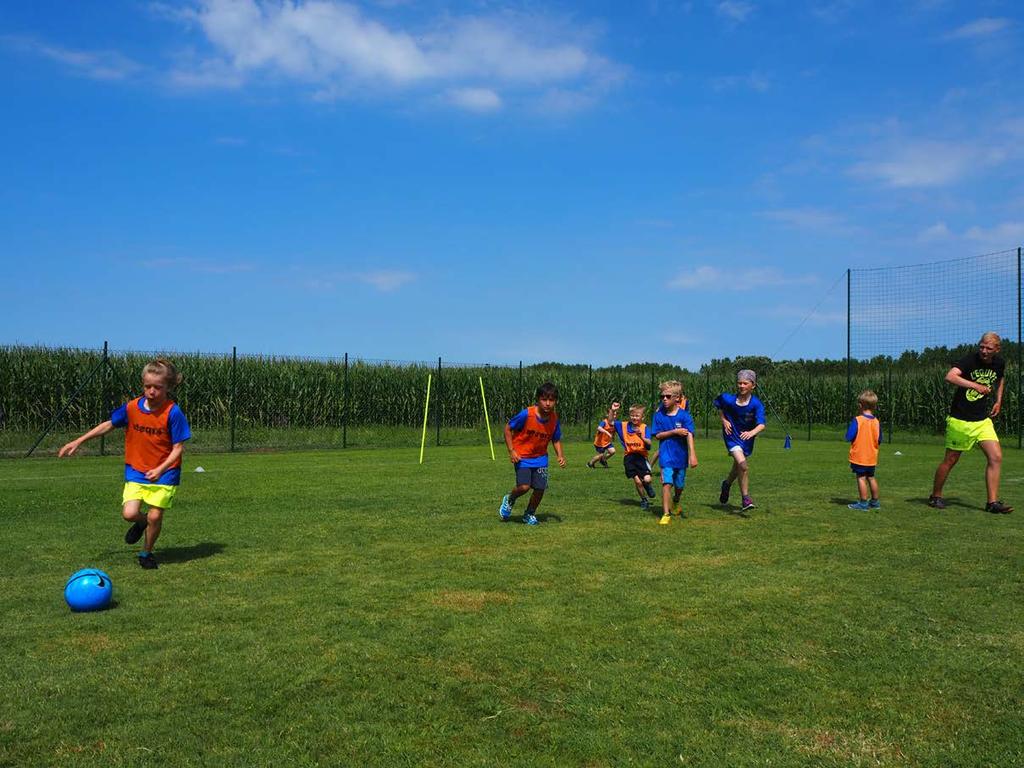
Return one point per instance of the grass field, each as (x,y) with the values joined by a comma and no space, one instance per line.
(355,608)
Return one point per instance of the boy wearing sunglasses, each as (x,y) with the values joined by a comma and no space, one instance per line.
(673,427)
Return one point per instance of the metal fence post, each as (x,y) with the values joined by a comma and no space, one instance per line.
(104,394)
(344,405)
(437,408)
(233,414)
(809,411)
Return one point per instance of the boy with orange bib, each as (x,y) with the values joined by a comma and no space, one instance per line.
(636,440)
(155,435)
(865,435)
(604,440)
(527,435)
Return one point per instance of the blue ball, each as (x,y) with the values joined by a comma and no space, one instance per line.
(89,589)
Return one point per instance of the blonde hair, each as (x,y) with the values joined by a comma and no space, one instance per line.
(636,407)
(671,386)
(992,336)
(163,367)
(867,399)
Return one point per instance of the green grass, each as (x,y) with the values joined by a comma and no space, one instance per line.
(355,608)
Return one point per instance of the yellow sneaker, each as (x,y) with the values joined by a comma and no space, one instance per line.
(665,520)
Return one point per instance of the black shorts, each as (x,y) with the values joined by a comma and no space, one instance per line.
(636,465)
(862,471)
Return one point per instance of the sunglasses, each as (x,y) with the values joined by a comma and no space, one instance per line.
(664,396)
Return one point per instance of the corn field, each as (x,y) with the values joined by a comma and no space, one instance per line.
(253,402)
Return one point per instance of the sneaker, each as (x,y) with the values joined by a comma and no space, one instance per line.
(530,519)
(645,504)
(134,533)
(665,520)
(505,510)
(998,508)
(723,497)
(148,561)
(861,505)
(937,502)
(678,511)
(874,504)
(604,463)
(748,503)
(649,489)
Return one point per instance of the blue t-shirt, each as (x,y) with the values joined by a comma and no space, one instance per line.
(517,422)
(179,430)
(852,430)
(673,452)
(742,417)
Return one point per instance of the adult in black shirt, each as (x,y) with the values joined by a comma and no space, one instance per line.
(979,396)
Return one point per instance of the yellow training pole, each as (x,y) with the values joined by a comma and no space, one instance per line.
(487,421)
(426,408)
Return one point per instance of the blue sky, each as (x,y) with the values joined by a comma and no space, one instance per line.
(494,181)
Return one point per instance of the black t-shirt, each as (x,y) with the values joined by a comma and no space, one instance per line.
(968,404)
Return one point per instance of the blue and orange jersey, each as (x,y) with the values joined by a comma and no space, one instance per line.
(531,435)
(149,437)
(633,438)
(603,439)
(865,435)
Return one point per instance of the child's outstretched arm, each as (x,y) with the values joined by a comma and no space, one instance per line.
(512,455)
(176,450)
(752,432)
(69,449)
(558,452)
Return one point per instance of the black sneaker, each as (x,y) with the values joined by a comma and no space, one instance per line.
(723,497)
(134,533)
(998,508)
(937,502)
(148,562)
(650,490)
(604,463)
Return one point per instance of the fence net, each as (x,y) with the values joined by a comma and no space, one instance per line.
(896,310)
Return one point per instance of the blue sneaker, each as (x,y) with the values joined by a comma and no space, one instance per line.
(530,519)
(861,505)
(505,510)
(645,504)
(874,504)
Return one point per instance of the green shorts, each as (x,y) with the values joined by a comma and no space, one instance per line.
(962,435)
(161,496)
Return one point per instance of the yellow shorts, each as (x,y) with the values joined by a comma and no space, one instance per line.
(962,435)
(161,496)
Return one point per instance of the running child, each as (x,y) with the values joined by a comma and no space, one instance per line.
(155,435)
(604,440)
(673,428)
(743,419)
(527,435)
(865,435)
(636,440)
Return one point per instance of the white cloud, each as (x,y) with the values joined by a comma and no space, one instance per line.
(922,163)
(935,233)
(814,219)
(740,279)
(980,28)
(385,280)
(736,10)
(1006,235)
(475,99)
(336,49)
(97,65)
(755,81)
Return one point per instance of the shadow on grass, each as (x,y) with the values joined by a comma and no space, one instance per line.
(194,552)
(951,501)
(547,517)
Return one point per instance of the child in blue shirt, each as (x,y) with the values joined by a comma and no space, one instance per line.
(743,419)
(673,427)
